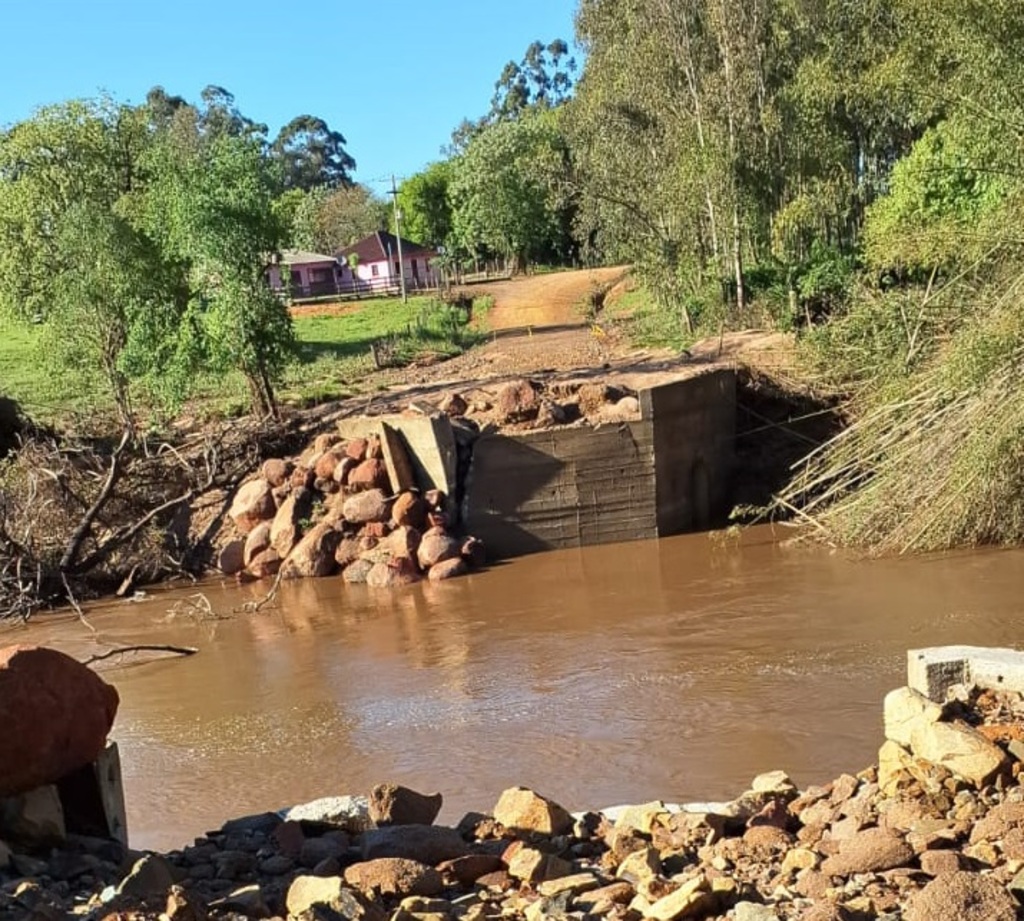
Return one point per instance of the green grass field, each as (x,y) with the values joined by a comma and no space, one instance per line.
(333,360)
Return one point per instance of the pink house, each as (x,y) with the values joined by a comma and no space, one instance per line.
(306,274)
(373,264)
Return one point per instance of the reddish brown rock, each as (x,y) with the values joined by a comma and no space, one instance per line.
(409,510)
(394,573)
(429,844)
(962,896)
(372,473)
(517,401)
(327,463)
(55,713)
(303,477)
(453,404)
(264,564)
(347,551)
(253,503)
(465,871)
(369,505)
(394,876)
(447,569)
(256,541)
(231,558)
(276,471)
(313,556)
(356,449)
(520,809)
(403,541)
(343,468)
(293,515)
(392,804)
(374,530)
(869,851)
(436,546)
(935,863)
(998,822)
(357,572)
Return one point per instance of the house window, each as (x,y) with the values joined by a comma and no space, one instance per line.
(320,275)
(415,270)
(296,277)
(374,270)
(398,271)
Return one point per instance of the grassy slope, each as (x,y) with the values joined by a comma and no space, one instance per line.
(333,358)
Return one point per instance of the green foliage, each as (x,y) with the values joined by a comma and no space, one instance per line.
(504,190)
(425,205)
(947,200)
(311,155)
(326,220)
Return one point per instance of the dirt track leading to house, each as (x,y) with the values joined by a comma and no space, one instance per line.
(552,299)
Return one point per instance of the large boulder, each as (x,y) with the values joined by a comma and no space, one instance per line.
(366,506)
(520,809)
(392,804)
(905,710)
(394,876)
(395,572)
(372,473)
(55,713)
(253,503)
(290,519)
(410,510)
(256,541)
(436,546)
(960,749)
(429,844)
(328,897)
(313,556)
(517,401)
(962,896)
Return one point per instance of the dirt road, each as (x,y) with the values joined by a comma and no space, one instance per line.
(552,299)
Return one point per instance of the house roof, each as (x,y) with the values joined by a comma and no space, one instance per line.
(301,257)
(377,246)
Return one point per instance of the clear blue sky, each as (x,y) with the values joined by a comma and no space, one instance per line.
(394,77)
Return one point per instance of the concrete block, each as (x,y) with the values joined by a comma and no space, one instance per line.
(93,798)
(934,670)
(34,818)
(429,443)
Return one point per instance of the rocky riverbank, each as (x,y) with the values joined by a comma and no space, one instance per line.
(934,831)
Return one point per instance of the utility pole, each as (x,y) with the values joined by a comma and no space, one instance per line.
(398,235)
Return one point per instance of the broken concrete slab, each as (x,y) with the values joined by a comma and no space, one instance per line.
(933,671)
(429,444)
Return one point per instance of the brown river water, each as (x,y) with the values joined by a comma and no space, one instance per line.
(673,670)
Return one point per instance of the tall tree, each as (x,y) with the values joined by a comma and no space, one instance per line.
(312,155)
(69,254)
(326,220)
(504,191)
(425,204)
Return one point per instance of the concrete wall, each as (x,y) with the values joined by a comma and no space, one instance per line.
(669,472)
(694,426)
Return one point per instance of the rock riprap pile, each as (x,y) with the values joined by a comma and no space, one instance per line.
(334,509)
(934,833)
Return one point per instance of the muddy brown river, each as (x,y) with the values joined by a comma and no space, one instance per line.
(675,670)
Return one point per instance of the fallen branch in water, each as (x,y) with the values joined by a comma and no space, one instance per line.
(254,607)
(144,647)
